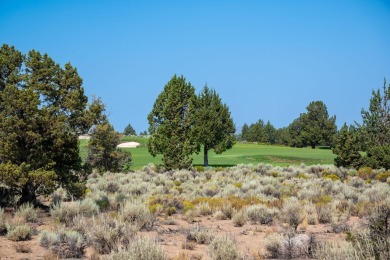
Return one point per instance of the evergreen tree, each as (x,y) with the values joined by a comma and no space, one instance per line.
(43,109)
(129,130)
(103,153)
(376,121)
(314,127)
(347,148)
(214,126)
(245,132)
(270,133)
(171,124)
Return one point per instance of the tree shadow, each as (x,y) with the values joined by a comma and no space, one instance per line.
(217,165)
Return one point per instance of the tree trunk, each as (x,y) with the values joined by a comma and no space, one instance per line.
(28,194)
(205,156)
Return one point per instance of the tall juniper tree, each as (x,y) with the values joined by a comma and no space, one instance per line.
(171,124)
(214,126)
(43,109)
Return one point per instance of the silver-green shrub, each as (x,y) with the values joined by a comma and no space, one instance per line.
(66,244)
(200,234)
(223,247)
(292,212)
(108,235)
(138,214)
(261,214)
(19,232)
(141,249)
(27,212)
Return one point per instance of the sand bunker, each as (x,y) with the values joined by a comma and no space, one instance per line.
(84,137)
(128,145)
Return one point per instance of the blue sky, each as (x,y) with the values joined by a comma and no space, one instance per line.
(267,59)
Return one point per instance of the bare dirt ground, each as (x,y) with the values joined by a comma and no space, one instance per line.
(250,238)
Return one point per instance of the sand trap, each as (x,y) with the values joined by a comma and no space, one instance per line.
(84,137)
(128,145)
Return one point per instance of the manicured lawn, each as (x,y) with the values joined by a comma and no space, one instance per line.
(241,153)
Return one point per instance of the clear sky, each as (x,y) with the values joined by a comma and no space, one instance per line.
(267,59)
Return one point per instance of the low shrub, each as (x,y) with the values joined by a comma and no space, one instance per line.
(66,211)
(27,212)
(59,196)
(200,234)
(365,173)
(107,235)
(141,249)
(66,244)
(228,210)
(103,202)
(292,212)
(261,214)
(138,214)
(223,247)
(274,244)
(239,219)
(204,209)
(19,232)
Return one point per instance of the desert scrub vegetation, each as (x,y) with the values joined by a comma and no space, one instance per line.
(117,208)
(141,249)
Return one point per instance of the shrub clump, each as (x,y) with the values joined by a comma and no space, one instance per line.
(107,235)
(292,212)
(66,211)
(141,249)
(223,247)
(240,218)
(27,212)
(19,232)
(261,214)
(66,244)
(138,214)
(200,234)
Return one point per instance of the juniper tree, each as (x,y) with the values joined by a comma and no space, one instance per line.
(346,147)
(314,127)
(376,120)
(171,124)
(213,125)
(129,130)
(103,153)
(43,109)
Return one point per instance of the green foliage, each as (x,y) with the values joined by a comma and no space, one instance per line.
(213,124)
(171,124)
(103,153)
(346,147)
(260,132)
(43,109)
(129,130)
(314,127)
(378,157)
(376,121)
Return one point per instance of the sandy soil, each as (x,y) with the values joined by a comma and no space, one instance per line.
(250,238)
(84,137)
(128,145)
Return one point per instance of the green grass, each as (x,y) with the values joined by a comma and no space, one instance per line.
(241,153)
